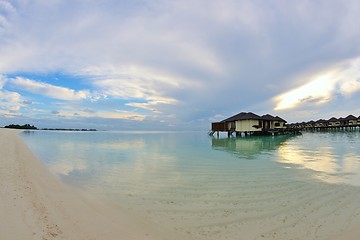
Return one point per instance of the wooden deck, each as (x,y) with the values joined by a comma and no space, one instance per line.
(330,128)
(264,132)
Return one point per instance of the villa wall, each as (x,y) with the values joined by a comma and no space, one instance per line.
(247,126)
(281,124)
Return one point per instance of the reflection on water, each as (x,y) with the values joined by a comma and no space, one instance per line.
(207,188)
(332,157)
(28,132)
(110,158)
(249,146)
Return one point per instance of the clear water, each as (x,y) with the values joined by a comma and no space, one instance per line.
(215,188)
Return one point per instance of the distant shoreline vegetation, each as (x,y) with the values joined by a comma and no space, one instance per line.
(25,126)
(31,127)
(69,129)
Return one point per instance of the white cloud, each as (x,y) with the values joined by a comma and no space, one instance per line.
(85,113)
(7,6)
(3,22)
(10,103)
(342,78)
(3,81)
(92,33)
(48,90)
(6,10)
(10,96)
(318,90)
(349,77)
(133,82)
(151,105)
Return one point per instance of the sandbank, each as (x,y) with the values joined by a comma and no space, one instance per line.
(35,205)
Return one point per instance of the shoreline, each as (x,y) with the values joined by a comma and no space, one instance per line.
(35,205)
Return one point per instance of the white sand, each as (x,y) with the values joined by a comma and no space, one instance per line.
(35,205)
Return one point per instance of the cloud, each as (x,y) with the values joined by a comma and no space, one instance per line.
(148,105)
(340,79)
(88,110)
(48,90)
(6,11)
(10,103)
(93,33)
(3,81)
(7,7)
(27,102)
(316,91)
(187,59)
(133,82)
(86,113)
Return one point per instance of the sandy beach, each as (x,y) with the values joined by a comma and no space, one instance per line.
(35,205)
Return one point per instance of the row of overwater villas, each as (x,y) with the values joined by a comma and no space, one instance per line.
(248,122)
(349,121)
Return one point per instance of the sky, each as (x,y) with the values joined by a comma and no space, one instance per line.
(176,65)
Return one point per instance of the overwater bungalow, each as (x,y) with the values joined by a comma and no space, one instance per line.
(333,122)
(321,123)
(310,124)
(249,123)
(271,122)
(342,121)
(351,120)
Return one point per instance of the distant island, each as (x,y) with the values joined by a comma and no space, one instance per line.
(31,127)
(68,129)
(25,126)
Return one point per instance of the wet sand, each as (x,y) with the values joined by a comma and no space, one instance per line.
(280,210)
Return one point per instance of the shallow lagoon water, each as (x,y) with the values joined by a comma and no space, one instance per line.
(280,187)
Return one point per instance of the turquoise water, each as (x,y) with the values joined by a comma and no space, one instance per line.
(215,188)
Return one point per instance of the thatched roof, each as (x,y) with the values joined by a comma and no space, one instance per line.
(252,116)
(333,119)
(280,119)
(350,117)
(269,117)
(243,116)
